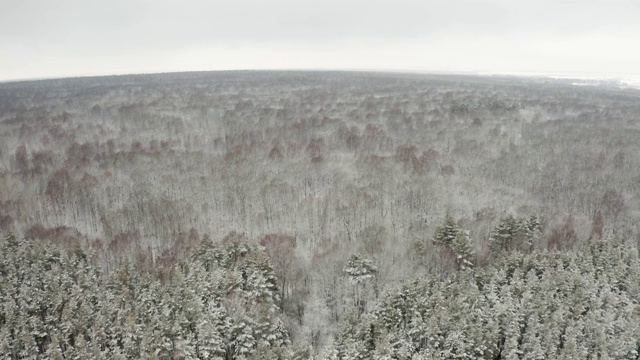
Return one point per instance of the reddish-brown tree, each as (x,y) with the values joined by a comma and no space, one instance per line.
(563,236)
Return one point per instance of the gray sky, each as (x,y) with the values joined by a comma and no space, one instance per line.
(57,38)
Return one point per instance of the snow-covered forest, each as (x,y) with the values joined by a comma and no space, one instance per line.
(328,215)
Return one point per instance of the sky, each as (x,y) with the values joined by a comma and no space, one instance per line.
(62,38)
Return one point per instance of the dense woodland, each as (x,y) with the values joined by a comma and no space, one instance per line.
(329,215)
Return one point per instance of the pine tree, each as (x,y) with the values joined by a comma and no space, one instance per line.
(359,270)
(533,231)
(461,247)
(446,234)
(54,352)
(457,241)
(243,341)
(531,345)
(503,236)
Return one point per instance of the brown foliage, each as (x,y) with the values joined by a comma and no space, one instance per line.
(278,242)
(88,181)
(123,242)
(237,153)
(42,161)
(234,237)
(613,202)
(597,226)
(447,170)
(22,158)
(430,155)
(315,149)
(406,154)
(371,131)
(275,153)
(353,139)
(61,235)
(563,236)
(81,155)
(57,184)
(136,147)
(184,243)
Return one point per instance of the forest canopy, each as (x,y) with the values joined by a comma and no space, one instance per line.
(337,215)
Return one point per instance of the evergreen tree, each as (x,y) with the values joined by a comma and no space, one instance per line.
(515,234)
(359,270)
(533,306)
(531,345)
(534,231)
(503,236)
(461,247)
(56,305)
(456,241)
(446,234)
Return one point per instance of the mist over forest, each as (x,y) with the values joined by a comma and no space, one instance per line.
(319,215)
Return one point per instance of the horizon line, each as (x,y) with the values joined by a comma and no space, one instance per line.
(632,80)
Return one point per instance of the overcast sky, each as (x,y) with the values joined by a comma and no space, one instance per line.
(59,38)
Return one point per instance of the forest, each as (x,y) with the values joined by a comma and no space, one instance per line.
(319,215)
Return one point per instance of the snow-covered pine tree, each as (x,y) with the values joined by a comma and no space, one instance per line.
(359,270)
(461,247)
(502,237)
(531,344)
(456,242)
(446,233)
(534,231)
